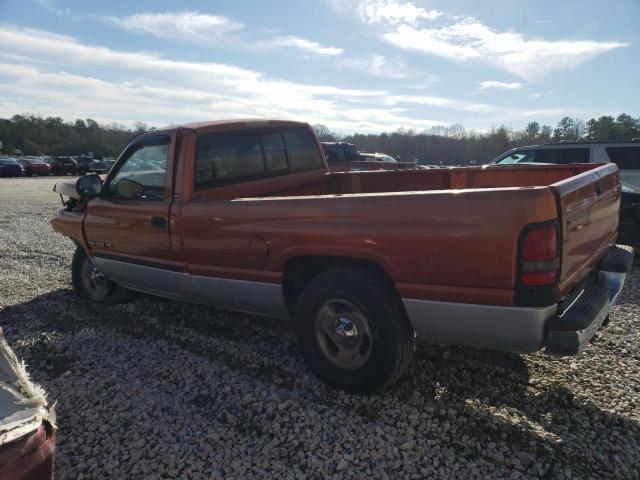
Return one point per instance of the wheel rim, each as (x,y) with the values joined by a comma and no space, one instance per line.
(94,281)
(343,333)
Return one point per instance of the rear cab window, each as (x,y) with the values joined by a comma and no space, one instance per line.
(233,157)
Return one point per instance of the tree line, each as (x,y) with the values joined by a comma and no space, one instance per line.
(453,145)
(33,135)
(456,145)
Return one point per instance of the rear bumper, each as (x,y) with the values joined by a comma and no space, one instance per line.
(563,329)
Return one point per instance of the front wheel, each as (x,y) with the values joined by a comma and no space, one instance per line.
(89,282)
(353,331)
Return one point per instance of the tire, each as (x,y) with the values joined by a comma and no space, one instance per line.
(88,282)
(353,331)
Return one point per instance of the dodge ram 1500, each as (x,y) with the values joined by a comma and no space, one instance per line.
(246,215)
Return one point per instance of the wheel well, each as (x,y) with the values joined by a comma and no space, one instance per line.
(299,271)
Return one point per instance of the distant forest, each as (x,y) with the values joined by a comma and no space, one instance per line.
(453,145)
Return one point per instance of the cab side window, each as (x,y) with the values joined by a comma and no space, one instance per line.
(627,158)
(141,175)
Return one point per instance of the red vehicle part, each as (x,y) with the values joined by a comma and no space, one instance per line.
(30,457)
(27,425)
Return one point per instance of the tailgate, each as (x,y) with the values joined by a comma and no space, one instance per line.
(588,210)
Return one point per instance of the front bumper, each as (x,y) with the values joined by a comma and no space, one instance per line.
(563,329)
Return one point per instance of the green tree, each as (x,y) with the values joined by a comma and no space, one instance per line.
(532,130)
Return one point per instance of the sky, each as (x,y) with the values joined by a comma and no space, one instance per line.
(352,65)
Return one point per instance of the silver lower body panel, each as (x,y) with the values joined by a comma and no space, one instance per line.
(247,296)
(514,329)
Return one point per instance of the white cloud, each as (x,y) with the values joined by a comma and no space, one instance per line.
(206,29)
(394,11)
(187,25)
(377,65)
(411,27)
(112,85)
(442,102)
(497,85)
(426,81)
(303,44)
(51,74)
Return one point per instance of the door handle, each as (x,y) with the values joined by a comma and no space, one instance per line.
(158,222)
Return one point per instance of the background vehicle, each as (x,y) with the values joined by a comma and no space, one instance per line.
(376,157)
(343,157)
(35,166)
(9,167)
(109,162)
(63,166)
(90,165)
(246,215)
(626,155)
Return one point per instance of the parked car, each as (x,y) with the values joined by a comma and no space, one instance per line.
(246,215)
(35,166)
(63,166)
(626,155)
(109,162)
(9,167)
(343,157)
(377,157)
(90,165)
(27,423)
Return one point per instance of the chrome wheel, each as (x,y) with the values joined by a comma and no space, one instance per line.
(343,333)
(94,281)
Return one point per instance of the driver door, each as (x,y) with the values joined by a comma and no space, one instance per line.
(127,227)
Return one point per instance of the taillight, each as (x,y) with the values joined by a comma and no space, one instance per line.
(539,256)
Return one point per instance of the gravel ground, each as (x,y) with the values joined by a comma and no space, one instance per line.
(161,389)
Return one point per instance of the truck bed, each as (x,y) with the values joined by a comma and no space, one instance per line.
(341,183)
(425,222)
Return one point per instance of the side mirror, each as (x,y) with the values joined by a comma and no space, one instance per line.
(89,186)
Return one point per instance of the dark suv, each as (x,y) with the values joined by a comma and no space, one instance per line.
(90,165)
(63,166)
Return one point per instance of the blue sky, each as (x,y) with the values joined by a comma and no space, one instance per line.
(353,65)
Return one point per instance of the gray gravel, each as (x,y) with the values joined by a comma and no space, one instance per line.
(161,389)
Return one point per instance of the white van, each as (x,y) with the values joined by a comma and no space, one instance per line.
(624,154)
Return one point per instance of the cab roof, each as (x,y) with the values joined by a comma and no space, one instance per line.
(233,124)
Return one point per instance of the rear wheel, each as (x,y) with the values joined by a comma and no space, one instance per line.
(89,282)
(353,331)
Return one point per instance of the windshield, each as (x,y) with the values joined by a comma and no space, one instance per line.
(526,156)
(386,158)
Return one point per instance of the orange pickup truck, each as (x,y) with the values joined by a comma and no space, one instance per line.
(246,215)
